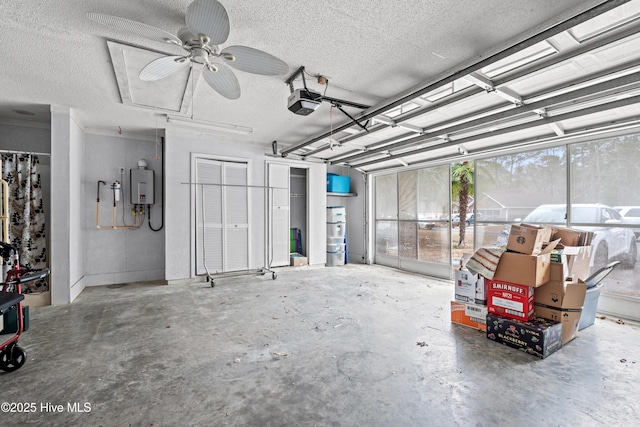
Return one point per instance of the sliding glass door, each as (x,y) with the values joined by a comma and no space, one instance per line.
(411,220)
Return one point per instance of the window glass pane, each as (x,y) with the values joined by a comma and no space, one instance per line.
(409,239)
(433,193)
(386,197)
(492,234)
(387,238)
(606,171)
(510,187)
(605,174)
(434,244)
(408,194)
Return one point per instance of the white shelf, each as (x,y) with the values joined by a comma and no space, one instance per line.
(342,194)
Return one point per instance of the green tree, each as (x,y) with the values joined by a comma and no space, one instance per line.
(462,187)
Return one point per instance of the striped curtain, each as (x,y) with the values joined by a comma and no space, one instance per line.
(26,214)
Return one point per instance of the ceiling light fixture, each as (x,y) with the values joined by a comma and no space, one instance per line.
(205,124)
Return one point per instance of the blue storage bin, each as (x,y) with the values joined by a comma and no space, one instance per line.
(338,183)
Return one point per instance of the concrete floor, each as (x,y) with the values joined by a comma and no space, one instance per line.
(316,347)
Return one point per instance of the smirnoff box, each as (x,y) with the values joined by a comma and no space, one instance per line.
(538,337)
(510,300)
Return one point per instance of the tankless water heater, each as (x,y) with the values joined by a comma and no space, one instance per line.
(142,186)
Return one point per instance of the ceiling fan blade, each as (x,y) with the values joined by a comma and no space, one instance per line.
(162,67)
(210,18)
(134,27)
(222,81)
(254,61)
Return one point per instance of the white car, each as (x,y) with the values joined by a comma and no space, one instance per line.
(630,215)
(610,243)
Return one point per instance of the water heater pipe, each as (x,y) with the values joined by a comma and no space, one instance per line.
(138,213)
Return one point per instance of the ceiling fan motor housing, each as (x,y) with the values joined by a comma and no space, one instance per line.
(199,55)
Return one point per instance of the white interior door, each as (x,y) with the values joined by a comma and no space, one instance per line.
(222,216)
(279,213)
(236,217)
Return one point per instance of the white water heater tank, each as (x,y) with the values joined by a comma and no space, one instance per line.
(142,186)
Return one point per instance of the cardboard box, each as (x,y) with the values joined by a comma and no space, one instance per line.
(562,294)
(539,337)
(556,272)
(568,318)
(482,290)
(297,260)
(562,302)
(574,262)
(466,314)
(470,287)
(530,270)
(465,284)
(510,300)
(528,239)
(572,237)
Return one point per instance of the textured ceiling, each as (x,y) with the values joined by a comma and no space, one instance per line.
(372,50)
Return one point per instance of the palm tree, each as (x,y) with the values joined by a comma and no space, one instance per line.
(462,186)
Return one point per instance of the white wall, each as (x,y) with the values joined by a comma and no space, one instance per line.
(112,255)
(180,144)
(66,215)
(76,215)
(25,137)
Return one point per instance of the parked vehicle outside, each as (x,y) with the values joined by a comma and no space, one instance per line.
(630,215)
(455,219)
(609,244)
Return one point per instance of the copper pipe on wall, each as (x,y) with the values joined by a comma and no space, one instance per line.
(138,215)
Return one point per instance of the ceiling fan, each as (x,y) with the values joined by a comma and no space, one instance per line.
(207,26)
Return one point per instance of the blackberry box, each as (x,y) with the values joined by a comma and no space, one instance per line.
(538,337)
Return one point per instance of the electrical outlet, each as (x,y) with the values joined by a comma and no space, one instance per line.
(121,170)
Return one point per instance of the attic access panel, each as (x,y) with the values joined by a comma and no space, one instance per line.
(172,94)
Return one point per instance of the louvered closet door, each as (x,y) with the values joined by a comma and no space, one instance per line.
(236,217)
(222,230)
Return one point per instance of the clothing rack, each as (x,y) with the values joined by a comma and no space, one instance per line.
(213,273)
